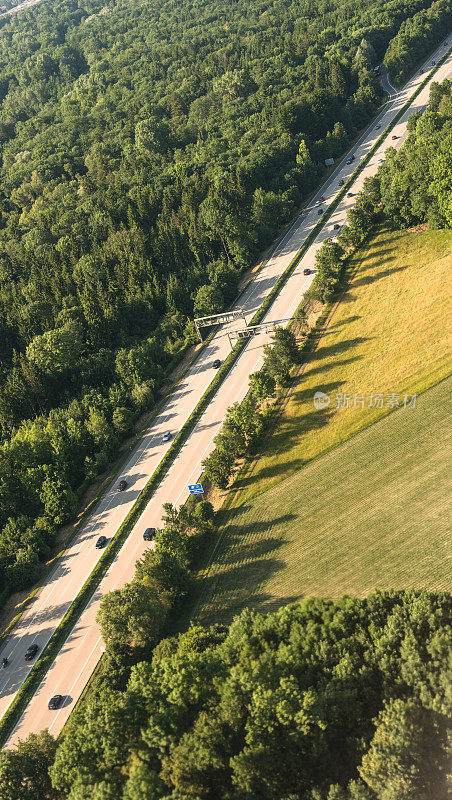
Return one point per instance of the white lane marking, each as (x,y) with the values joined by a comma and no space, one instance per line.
(78,676)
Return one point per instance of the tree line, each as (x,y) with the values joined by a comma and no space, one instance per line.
(317,701)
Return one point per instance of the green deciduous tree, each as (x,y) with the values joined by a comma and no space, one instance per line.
(132,615)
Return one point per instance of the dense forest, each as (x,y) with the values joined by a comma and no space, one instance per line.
(148,153)
(417,37)
(318,701)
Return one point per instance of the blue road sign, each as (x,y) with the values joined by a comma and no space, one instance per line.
(196,488)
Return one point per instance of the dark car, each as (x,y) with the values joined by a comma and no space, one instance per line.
(349,194)
(55,701)
(350,159)
(336,226)
(394,137)
(433,63)
(319,212)
(149,535)
(166,436)
(101,542)
(306,271)
(341,182)
(216,363)
(122,485)
(31,652)
(420,72)
(377,127)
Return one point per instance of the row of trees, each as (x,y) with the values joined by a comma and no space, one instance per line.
(416,38)
(132,618)
(244,421)
(318,701)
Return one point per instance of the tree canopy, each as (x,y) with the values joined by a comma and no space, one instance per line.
(317,701)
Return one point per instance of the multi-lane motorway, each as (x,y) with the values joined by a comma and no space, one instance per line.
(81,652)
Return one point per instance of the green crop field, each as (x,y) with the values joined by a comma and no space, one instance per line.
(356,505)
(372,513)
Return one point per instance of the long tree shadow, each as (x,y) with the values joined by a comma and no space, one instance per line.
(250,550)
(282,437)
(366,280)
(328,350)
(224,594)
(266,603)
(334,325)
(226,517)
(325,367)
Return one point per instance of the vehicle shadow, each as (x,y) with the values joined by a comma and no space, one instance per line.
(67,700)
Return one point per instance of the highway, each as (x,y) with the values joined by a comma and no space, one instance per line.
(79,655)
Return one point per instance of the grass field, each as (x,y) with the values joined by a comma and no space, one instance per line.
(370,512)
(389,334)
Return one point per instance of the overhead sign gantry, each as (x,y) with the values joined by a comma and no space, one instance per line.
(217,319)
(255,330)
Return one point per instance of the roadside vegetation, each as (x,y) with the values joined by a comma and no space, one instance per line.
(386,337)
(148,155)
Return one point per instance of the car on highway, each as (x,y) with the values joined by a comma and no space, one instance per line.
(341,182)
(336,226)
(149,535)
(216,363)
(349,194)
(377,127)
(394,137)
(380,160)
(433,63)
(31,651)
(306,271)
(166,436)
(420,72)
(55,701)
(350,159)
(319,212)
(122,485)
(317,202)
(101,542)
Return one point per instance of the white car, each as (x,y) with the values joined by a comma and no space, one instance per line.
(166,436)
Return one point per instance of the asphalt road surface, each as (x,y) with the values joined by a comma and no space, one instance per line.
(79,655)
(386,85)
